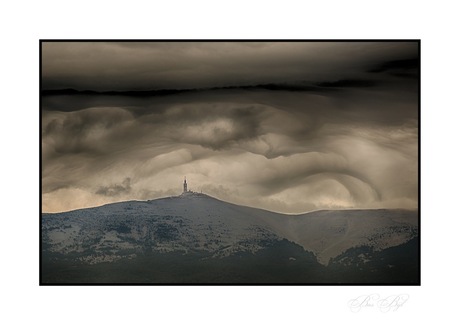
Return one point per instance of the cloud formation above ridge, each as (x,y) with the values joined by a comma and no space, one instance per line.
(185,65)
(348,144)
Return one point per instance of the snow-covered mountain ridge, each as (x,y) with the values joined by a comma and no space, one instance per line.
(194,222)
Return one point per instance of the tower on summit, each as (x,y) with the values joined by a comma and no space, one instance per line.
(185,184)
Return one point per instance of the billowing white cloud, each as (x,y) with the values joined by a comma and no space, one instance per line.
(349,145)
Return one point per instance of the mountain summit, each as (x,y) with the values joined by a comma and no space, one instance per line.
(195,238)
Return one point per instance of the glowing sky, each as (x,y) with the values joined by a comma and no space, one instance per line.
(284,126)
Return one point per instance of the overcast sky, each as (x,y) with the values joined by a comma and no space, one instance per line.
(337,128)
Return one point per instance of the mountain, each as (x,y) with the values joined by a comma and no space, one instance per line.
(195,238)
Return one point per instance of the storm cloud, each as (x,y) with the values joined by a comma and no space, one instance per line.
(285,126)
(185,65)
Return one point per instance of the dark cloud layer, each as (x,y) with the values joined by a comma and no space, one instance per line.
(187,65)
(338,128)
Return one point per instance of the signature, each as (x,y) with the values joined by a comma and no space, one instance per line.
(386,304)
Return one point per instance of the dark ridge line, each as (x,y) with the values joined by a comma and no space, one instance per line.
(396,65)
(348,83)
(207,196)
(316,87)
